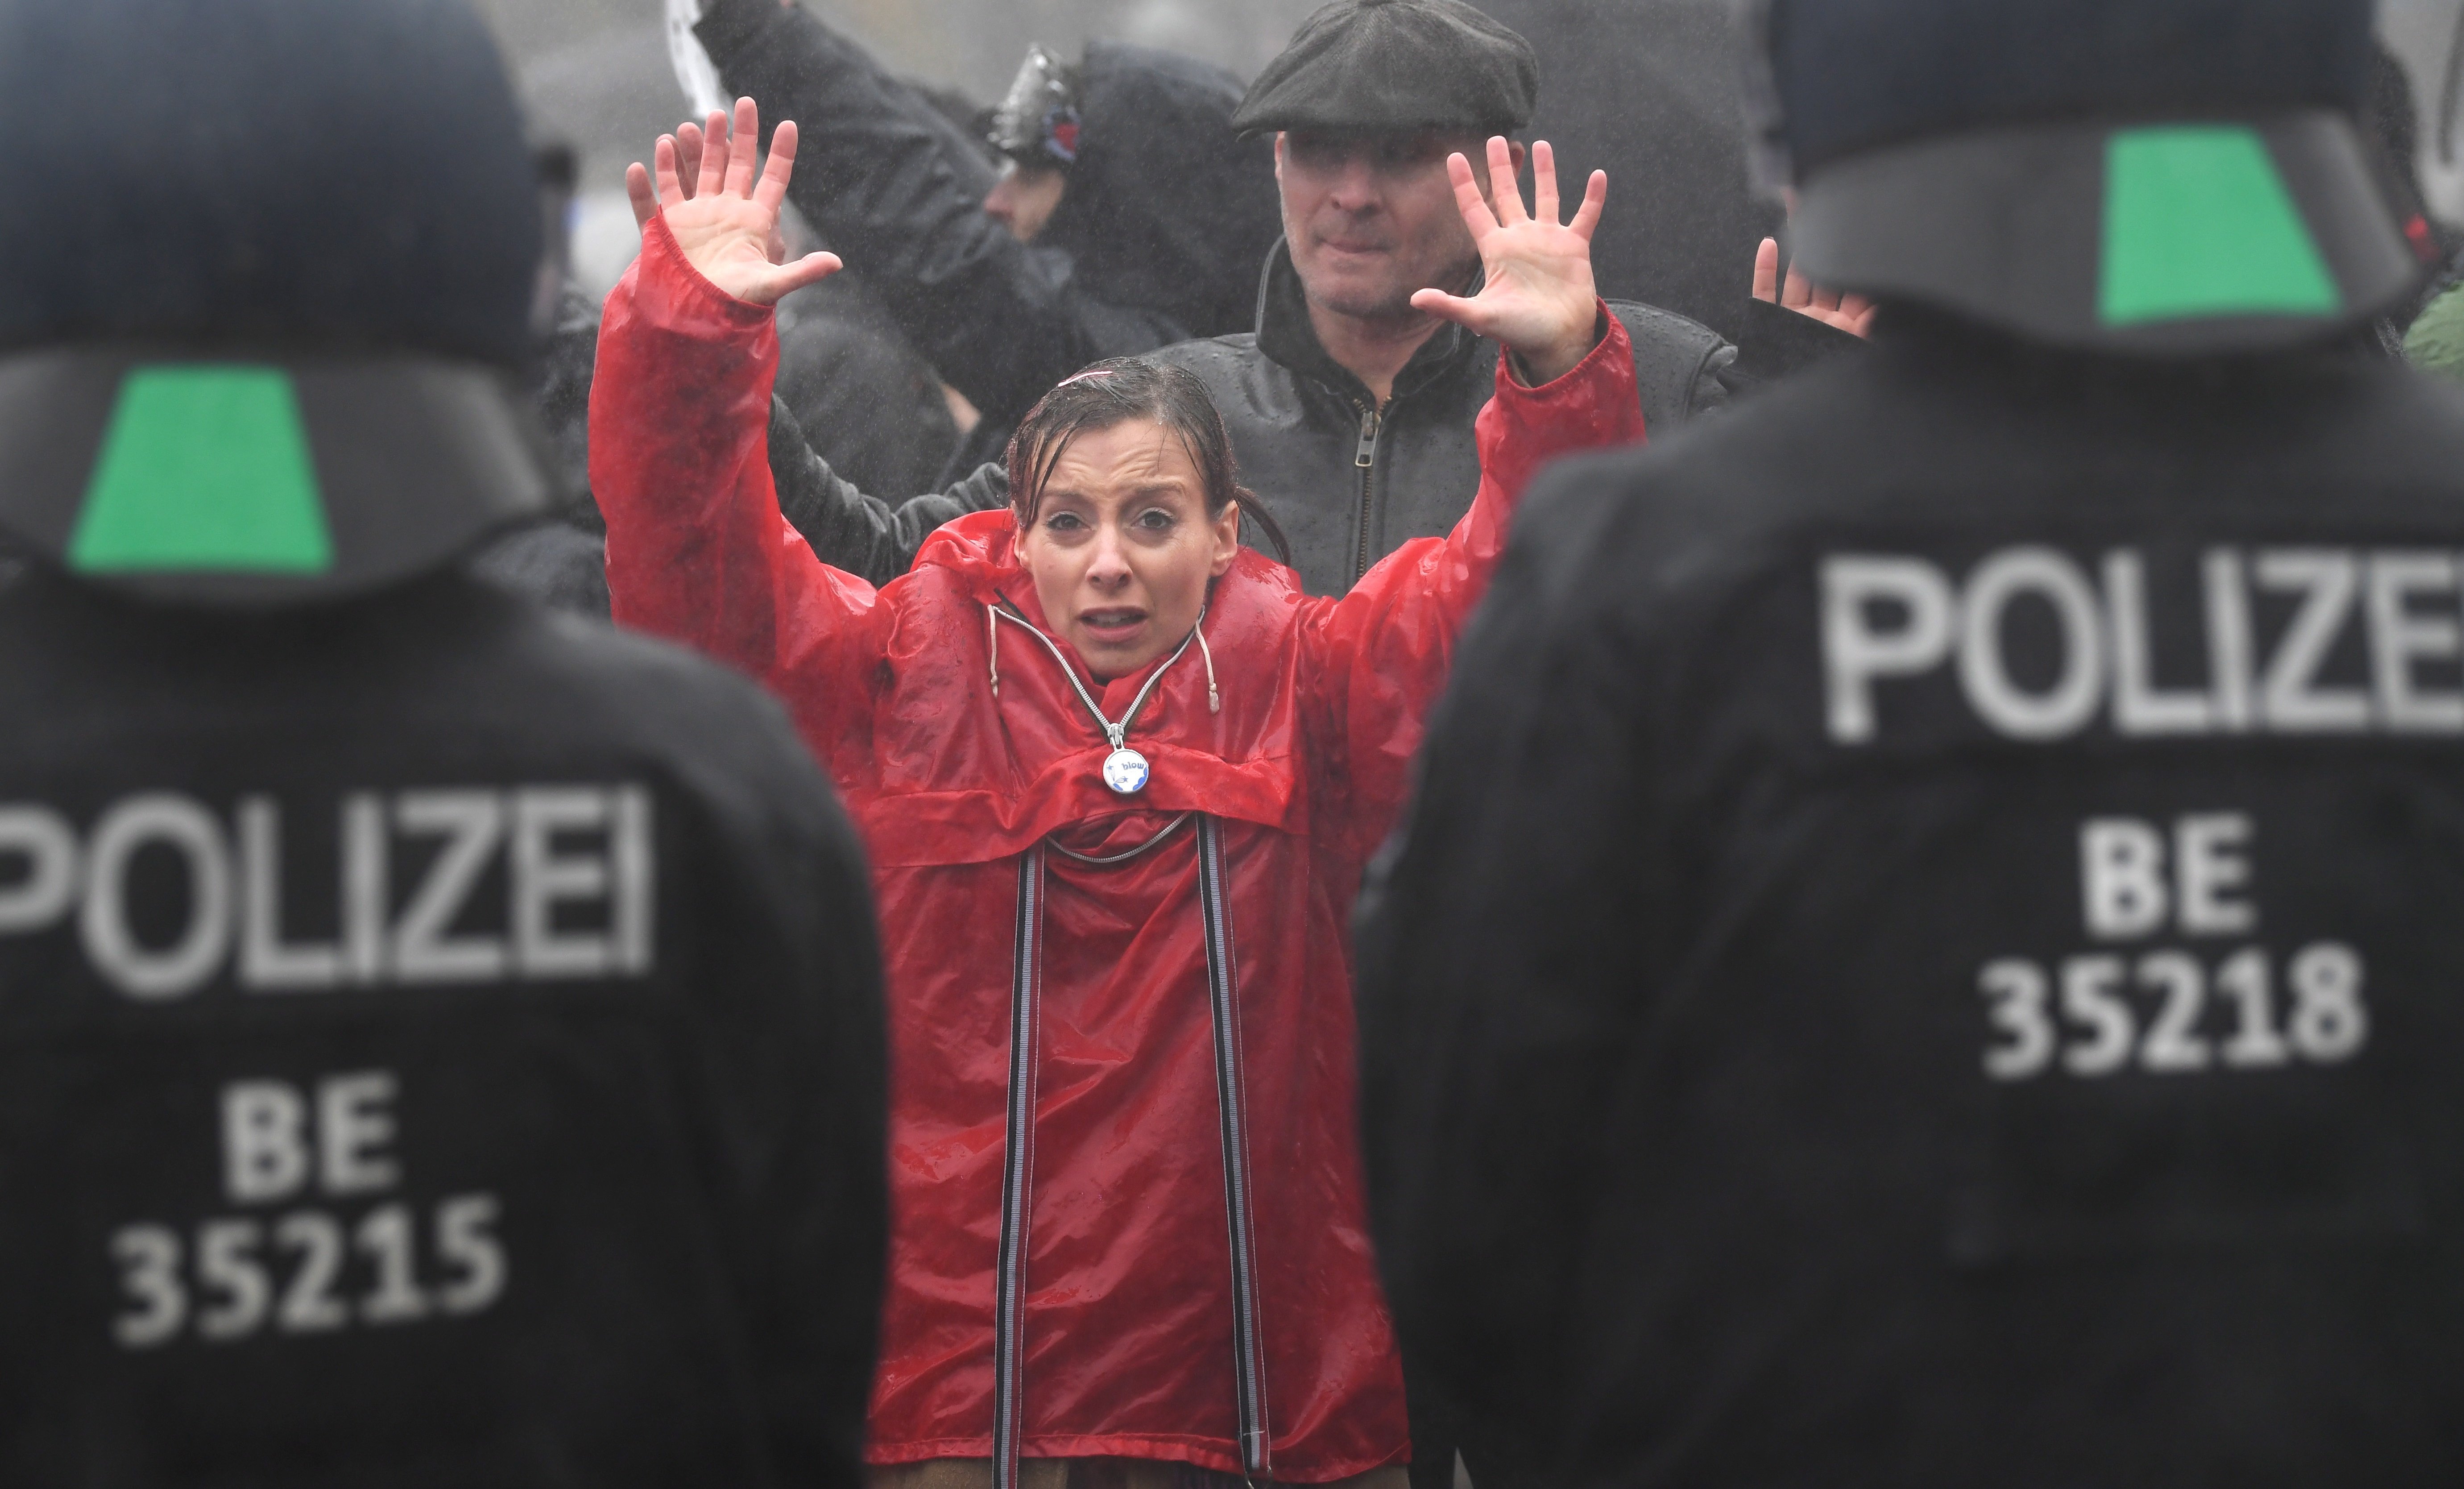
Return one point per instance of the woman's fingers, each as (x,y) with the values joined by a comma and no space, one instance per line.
(1799,293)
(643,196)
(1595,201)
(714,156)
(1468,199)
(689,148)
(663,163)
(812,269)
(771,193)
(1445,306)
(1503,189)
(1544,182)
(742,159)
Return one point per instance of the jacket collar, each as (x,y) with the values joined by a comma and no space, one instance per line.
(980,551)
(1288,338)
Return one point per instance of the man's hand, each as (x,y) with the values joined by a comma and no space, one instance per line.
(1853,314)
(1539,300)
(726,220)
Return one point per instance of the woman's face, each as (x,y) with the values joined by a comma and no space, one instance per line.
(1122,550)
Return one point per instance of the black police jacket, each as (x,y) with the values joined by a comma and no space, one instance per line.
(1349,481)
(1926,952)
(438,1044)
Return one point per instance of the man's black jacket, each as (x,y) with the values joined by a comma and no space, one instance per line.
(1350,483)
(1926,950)
(438,1044)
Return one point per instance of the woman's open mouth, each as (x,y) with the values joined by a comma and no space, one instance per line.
(1112,626)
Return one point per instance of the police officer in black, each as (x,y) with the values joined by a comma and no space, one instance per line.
(1927,949)
(438,1044)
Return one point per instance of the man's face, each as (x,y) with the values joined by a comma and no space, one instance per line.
(1026,197)
(1371,218)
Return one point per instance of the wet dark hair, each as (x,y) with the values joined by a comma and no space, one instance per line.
(1112,393)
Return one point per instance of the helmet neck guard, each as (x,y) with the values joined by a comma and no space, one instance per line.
(226,478)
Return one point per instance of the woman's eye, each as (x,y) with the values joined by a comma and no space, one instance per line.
(1063,522)
(1156,521)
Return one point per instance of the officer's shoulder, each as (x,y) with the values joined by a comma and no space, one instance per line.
(653,699)
(1728,466)
(1606,535)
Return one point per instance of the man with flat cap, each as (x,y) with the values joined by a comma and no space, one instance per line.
(1351,410)
(1927,950)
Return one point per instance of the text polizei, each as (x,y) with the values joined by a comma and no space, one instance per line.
(1889,619)
(408,889)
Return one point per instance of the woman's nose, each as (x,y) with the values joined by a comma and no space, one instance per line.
(1109,569)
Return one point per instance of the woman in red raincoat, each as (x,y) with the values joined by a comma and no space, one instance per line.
(1120,778)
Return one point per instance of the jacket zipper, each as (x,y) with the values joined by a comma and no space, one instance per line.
(1367,460)
(1018,1169)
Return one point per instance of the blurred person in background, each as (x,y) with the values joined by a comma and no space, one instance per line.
(875,410)
(1127,214)
(1924,952)
(438,1044)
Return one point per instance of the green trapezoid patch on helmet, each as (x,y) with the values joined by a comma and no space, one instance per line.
(204,467)
(2198,223)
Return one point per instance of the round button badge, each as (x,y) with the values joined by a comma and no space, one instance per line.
(1125,772)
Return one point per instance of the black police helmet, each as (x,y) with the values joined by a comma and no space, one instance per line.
(2155,176)
(262,320)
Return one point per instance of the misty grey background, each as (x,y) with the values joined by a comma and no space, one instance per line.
(596,73)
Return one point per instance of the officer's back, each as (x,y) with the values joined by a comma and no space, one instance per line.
(438,1043)
(1927,949)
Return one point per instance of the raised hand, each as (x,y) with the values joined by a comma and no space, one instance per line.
(1539,300)
(726,219)
(1853,314)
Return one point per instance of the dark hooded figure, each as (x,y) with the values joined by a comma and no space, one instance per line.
(1129,217)
(439,1043)
(1925,950)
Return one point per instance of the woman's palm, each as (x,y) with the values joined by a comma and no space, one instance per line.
(722,214)
(1540,298)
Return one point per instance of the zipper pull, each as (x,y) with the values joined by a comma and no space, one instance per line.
(1368,439)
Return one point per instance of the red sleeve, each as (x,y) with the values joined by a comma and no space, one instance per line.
(697,550)
(1378,659)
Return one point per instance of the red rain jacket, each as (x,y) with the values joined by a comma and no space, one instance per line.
(1126,1296)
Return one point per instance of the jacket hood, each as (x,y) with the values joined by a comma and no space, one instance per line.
(1168,211)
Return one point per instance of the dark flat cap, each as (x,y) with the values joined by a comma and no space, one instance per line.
(1386,66)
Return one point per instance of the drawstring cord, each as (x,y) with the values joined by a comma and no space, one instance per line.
(1214,693)
(1214,699)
